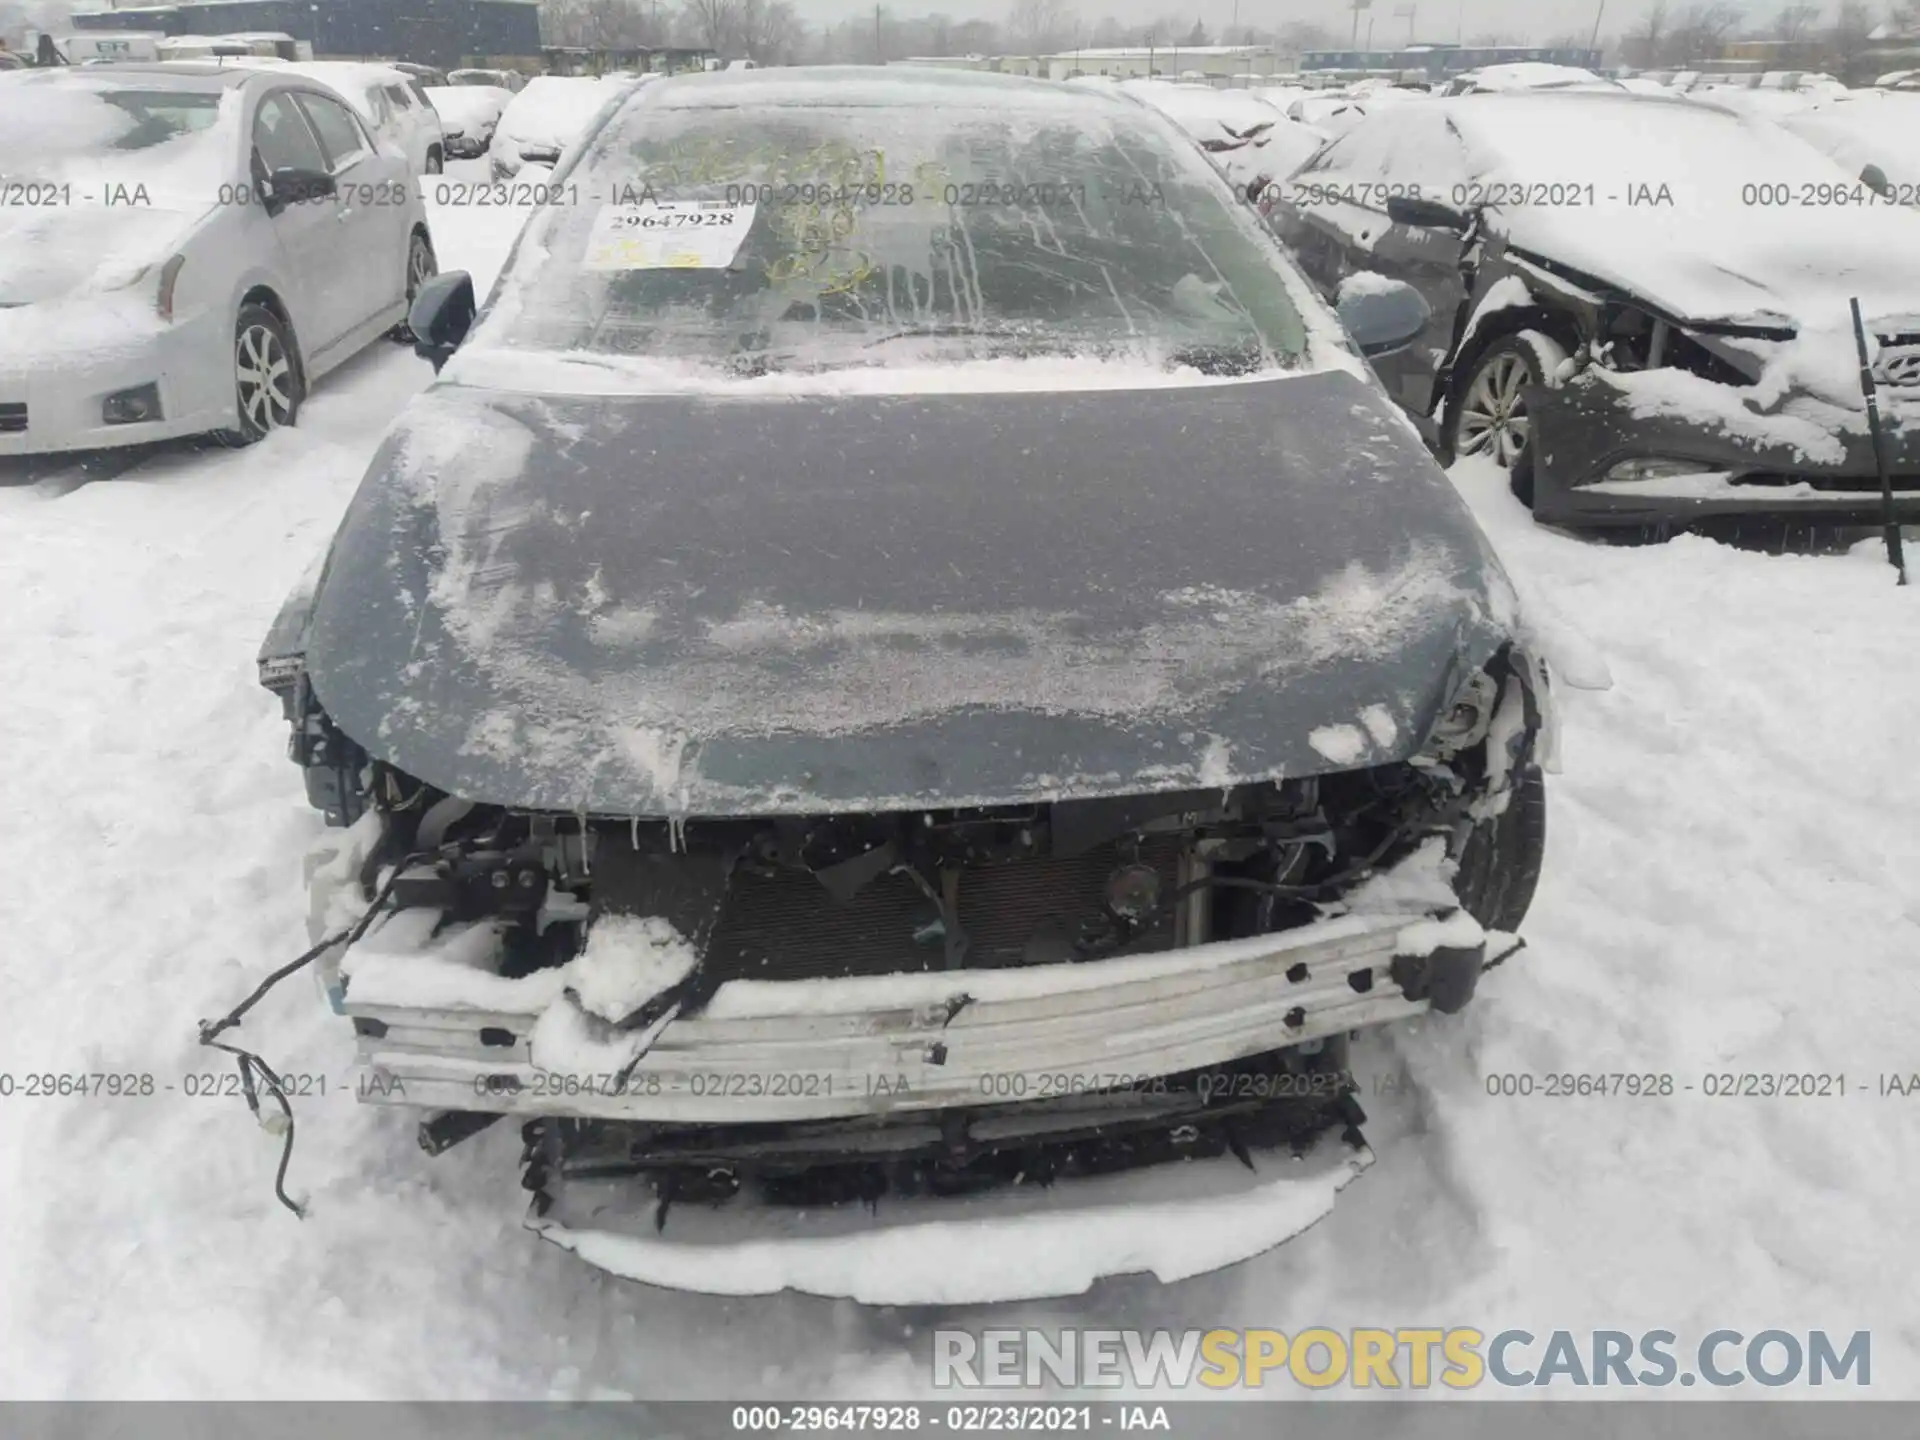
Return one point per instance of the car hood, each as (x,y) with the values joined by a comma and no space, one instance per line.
(53,252)
(752,603)
(1770,266)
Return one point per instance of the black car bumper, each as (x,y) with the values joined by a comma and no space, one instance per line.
(1747,463)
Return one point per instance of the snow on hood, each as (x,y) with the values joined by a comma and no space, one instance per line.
(927,600)
(553,110)
(469,109)
(118,212)
(1672,220)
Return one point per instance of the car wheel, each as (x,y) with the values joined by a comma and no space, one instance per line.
(1500,863)
(266,376)
(422,266)
(1489,416)
(436,163)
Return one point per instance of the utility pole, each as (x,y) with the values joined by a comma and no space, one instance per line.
(879,55)
(1358,6)
(1594,43)
(1406,13)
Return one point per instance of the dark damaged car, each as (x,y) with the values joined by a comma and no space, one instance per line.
(1640,304)
(900,699)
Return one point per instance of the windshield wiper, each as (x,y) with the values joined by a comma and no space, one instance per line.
(1244,358)
(949,330)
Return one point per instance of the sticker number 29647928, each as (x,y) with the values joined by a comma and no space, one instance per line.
(667,235)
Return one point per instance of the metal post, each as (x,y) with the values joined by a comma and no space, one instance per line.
(1896,552)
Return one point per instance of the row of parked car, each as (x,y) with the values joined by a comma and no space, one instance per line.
(1636,300)
(744,604)
(1633,302)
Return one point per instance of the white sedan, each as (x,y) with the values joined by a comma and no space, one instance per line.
(391,103)
(186,249)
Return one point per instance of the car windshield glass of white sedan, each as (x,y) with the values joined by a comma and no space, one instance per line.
(800,237)
(47,125)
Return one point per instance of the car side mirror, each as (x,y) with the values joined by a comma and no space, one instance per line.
(1382,315)
(1423,214)
(293,185)
(442,314)
(540,154)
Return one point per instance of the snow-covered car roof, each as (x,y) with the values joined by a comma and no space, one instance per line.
(1661,198)
(1332,112)
(1767,104)
(1530,75)
(554,109)
(1248,138)
(1866,127)
(350,78)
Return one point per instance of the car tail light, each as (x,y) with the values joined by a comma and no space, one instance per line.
(169,275)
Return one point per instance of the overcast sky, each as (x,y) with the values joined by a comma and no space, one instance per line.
(1443,20)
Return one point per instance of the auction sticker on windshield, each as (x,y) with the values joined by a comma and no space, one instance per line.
(667,235)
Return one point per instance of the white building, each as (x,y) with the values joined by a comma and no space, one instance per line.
(1216,64)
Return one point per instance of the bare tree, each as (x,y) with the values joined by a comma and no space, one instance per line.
(1850,37)
(1795,23)
(770,31)
(1641,45)
(713,23)
(601,23)
(1702,33)
(1035,27)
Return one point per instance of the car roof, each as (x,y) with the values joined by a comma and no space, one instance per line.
(1498,108)
(154,75)
(867,86)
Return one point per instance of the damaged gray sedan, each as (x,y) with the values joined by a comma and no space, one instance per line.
(901,698)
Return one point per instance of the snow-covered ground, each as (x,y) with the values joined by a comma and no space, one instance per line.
(1733,884)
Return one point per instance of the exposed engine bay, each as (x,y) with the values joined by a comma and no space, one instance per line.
(704,1077)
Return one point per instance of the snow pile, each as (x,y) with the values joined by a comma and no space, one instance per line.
(1021,1243)
(627,961)
(567,1040)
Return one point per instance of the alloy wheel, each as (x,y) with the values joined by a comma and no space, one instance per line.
(420,266)
(264,374)
(1493,414)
